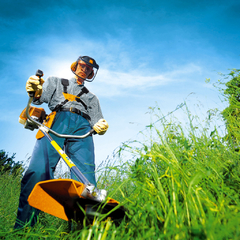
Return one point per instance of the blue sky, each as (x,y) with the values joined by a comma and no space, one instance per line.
(148,52)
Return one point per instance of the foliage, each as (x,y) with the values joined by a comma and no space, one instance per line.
(231,113)
(233,86)
(7,164)
(179,183)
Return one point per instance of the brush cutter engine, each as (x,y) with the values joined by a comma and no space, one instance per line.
(38,114)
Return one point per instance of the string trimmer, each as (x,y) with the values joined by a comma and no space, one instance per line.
(66,198)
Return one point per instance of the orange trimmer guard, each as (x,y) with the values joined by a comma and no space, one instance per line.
(62,198)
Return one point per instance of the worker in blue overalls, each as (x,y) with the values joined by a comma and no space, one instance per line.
(76,112)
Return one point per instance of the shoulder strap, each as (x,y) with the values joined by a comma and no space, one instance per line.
(65,83)
(84,90)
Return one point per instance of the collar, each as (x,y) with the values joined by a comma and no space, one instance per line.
(75,80)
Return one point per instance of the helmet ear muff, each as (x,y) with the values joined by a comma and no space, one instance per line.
(74,66)
(90,75)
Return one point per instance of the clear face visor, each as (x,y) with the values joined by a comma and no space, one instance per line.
(84,70)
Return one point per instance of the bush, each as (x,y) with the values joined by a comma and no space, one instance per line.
(7,164)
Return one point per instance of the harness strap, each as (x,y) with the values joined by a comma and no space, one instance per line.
(65,83)
(84,90)
(80,101)
(77,111)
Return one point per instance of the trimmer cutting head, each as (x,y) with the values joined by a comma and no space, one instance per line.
(63,198)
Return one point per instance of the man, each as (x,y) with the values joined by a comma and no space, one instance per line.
(77,111)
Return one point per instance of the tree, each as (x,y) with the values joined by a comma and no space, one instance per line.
(7,164)
(231,114)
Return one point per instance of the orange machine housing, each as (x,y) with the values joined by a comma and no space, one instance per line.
(39,113)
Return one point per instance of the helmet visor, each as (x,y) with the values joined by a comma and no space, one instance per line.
(85,68)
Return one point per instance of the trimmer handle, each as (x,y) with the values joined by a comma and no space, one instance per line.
(39,73)
(92,131)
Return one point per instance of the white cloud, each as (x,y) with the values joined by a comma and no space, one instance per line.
(138,78)
(111,83)
(130,80)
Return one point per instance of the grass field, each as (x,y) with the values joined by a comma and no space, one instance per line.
(182,182)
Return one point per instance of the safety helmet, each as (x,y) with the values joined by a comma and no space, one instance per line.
(90,62)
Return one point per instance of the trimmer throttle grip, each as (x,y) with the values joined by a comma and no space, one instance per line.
(92,131)
(31,94)
(39,73)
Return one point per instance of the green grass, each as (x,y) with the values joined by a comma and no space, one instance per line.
(179,183)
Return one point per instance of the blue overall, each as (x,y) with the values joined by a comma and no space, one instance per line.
(45,158)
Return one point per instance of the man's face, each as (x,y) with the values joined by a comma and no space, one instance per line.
(83,70)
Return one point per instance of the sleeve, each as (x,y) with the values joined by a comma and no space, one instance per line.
(95,111)
(49,87)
